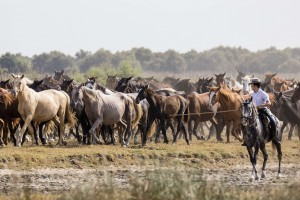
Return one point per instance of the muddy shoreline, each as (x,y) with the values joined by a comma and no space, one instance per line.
(58,180)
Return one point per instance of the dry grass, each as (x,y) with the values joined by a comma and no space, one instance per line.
(200,154)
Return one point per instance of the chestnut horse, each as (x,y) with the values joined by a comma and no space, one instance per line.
(230,107)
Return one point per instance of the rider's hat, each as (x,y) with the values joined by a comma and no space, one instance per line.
(254,80)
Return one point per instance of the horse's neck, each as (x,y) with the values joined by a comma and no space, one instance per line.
(227,103)
(152,99)
(25,94)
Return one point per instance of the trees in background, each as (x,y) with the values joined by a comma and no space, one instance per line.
(132,62)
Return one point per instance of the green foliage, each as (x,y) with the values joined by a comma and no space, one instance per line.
(100,58)
(99,72)
(132,62)
(129,68)
(48,62)
(15,63)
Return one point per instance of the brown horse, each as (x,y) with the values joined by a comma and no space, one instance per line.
(111,81)
(230,106)
(199,103)
(164,108)
(220,79)
(9,114)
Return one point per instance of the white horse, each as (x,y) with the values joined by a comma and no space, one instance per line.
(41,107)
(245,82)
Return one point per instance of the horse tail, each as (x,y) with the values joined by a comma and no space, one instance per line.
(70,116)
(138,114)
(186,116)
(151,130)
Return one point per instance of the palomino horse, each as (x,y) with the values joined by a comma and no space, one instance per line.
(42,106)
(256,136)
(103,109)
(230,106)
(164,108)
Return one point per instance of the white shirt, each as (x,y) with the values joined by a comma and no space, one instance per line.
(260,97)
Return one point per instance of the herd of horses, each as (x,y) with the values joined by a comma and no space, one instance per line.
(146,106)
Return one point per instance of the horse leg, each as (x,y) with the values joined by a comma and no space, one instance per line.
(277,143)
(228,131)
(190,128)
(12,131)
(145,136)
(202,133)
(290,135)
(235,131)
(253,162)
(298,125)
(262,147)
(284,124)
(23,129)
(196,124)
(43,140)
(122,132)
(184,132)
(92,131)
(162,126)
(33,130)
(2,124)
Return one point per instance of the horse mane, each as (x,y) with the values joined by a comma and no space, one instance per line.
(90,92)
(230,95)
(6,97)
(272,98)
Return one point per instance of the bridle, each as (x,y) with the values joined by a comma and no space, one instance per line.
(250,117)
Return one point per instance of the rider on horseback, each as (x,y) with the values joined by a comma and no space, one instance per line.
(262,102)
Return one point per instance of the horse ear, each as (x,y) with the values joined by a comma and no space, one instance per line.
(62,71)
(13,75)
(22,76)
(211,79)
(147,86)
(224,74)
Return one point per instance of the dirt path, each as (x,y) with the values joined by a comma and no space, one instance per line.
(56,180)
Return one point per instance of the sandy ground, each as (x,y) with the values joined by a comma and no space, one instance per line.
(56,180)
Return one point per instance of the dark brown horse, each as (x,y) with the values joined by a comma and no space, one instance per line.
(163,108)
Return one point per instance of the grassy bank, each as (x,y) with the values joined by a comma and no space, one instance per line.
(200,154)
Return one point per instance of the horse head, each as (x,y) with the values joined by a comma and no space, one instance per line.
(220,78)
(142,94)
(296,96)
(111,81)
(248,112)
(19,83)
(213,95)
(76,98)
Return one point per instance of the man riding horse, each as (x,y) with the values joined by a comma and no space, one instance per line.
(262,102)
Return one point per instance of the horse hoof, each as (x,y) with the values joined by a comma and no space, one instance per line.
(251,179)
(278,176)
(257,178)
(18,145)
(263,175)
